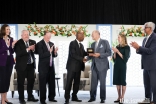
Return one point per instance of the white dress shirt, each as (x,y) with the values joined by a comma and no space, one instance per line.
(78,43)
(147,39)
(8,53)
(96,43)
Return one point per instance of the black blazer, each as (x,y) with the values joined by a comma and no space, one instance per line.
(22,55)
(75,57)
(44,56)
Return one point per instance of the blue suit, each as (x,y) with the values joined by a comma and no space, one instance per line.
(148,61)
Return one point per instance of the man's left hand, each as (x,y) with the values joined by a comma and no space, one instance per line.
(135,45)
(32,47)
(56,49)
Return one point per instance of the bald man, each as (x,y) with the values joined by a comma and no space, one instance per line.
(75,64)
(25,65)
(99,66)
(47,52)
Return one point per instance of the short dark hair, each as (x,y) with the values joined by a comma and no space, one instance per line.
(2,31)
(79,32)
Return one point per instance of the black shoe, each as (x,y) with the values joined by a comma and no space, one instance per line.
(32,99)
(52,100)
(117,101)
(121,101)
(43,102)
(77,100)
(22,102)
(8,102)
(91,100)
(66,102)
(102,101)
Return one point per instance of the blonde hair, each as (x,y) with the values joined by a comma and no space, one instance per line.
(123,40)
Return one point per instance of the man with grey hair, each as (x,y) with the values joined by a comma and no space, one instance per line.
(148,61)
(25,65)
(100,65)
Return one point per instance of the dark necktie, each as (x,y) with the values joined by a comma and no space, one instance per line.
(80,46)
(29,58)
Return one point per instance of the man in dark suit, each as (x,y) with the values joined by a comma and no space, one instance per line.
(148,61)
(75,64)
(47,52)
(25,65)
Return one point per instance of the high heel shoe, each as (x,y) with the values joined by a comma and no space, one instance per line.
(8,102)
(116,101)
(121,101)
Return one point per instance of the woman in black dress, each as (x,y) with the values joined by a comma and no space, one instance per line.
(120,58)
(6,61)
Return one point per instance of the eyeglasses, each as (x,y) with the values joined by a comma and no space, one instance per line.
(147,27)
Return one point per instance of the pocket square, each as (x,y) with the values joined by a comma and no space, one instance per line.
(101,46)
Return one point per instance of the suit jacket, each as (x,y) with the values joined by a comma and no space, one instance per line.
(148,53)
(101,62)
(22,55)
(44,56)
(75,57)
(3,52)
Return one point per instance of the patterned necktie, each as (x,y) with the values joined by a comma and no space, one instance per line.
(29,58)
(50,55)
(96,44)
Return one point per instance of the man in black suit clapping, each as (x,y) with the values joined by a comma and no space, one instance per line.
(47,52)
(25,65)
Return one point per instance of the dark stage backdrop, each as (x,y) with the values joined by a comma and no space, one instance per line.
(78,11)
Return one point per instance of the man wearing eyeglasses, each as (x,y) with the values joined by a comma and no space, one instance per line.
(148,61)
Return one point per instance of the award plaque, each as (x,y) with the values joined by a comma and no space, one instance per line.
(90,50)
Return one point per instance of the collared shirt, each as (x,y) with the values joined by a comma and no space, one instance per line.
(97,42)
(78,42)
(48,46)
(27,43)
(8,53)
(147,39)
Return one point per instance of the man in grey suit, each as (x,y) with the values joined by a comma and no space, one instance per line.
(99,66)
(148,61)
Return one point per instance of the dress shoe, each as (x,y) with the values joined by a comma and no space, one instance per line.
(8,102)
(43,102)
(32,99)
(145,101)
(52,100)
(91,100)
(66,102)
(77,100)
(102,101)
(22,102)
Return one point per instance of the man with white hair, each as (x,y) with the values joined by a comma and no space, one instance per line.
(25,65)
(46,67)
(148,61)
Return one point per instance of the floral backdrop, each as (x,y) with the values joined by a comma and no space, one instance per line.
(58,30)
(133,31)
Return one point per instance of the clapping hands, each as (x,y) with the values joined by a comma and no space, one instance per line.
(13,43)
(115,49)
